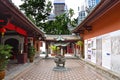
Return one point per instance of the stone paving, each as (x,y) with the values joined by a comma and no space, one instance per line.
(43,70)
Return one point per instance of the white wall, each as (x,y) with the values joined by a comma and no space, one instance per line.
(109,54)
(106,51)
(42,49)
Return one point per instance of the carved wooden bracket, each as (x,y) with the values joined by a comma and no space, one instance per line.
(88,28)
(81,31)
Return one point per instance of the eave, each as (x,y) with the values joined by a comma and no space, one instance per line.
(19,19)
(100,9)
(67,38)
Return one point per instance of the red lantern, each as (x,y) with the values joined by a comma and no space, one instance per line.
(3,30)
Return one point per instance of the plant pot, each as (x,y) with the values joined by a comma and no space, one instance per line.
(31,59)
(2,74)
(52,54)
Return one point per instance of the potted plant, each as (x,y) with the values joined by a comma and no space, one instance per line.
(31,53)
(80,47)
(4,58)
(54,49)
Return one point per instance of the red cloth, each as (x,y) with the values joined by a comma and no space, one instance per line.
(10,26)
(16,28)
(69,50)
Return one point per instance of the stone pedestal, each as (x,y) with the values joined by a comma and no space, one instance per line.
(60,68)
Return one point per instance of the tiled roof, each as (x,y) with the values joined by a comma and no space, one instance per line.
(63,37)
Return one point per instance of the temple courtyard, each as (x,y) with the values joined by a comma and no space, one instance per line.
(43,69)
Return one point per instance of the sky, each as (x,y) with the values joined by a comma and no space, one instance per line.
(74,5)
(70,4)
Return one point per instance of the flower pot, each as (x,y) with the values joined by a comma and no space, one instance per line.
(53,54)
(2,74)
(31,59)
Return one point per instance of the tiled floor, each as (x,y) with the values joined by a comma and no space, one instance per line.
(75,70)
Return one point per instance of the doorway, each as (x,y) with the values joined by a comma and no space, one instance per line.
(14,43)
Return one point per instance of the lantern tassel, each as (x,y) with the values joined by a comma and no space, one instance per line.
(2,34)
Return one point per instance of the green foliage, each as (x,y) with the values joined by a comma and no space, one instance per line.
(60,24)
(71,13)
(54,48)
(79,43)
(31,51)
(74,22)
(36,10)
(4,55)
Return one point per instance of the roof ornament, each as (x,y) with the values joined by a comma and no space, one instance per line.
(60,38)
(60,41)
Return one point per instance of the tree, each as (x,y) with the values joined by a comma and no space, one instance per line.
(71,13)
(36,10)
(74,22)
(57,26)
(60,24)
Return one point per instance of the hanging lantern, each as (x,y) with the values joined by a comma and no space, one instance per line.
(2,30)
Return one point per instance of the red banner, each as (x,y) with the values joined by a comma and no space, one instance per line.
(16,28)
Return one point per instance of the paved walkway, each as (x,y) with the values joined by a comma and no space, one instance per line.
(75,70)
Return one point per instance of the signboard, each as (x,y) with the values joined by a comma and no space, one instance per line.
(115,51)
(99,51)
(106,51)
(85,49)
(89,49)
(93,47)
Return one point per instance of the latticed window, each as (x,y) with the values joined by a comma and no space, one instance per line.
(91,3)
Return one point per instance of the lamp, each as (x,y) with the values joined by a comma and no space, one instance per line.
(2,30)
